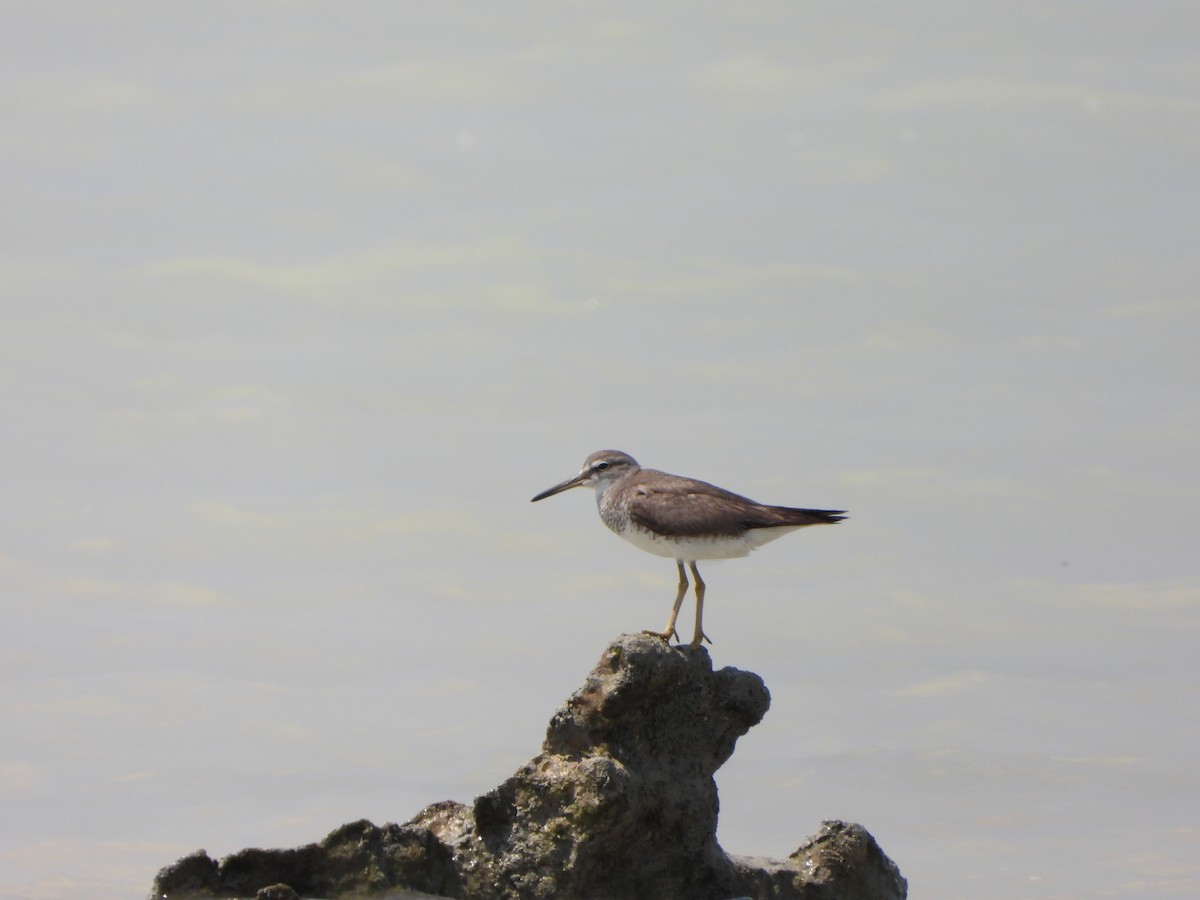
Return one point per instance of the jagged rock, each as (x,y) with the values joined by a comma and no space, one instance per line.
(196,875)
(356,858)
(620,803)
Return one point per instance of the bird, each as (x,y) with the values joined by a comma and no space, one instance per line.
(684,519)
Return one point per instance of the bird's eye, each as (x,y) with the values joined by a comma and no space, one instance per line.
(600,465)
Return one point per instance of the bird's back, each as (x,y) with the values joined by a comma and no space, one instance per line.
(687,507)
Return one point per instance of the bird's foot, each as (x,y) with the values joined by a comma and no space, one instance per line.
(662,635)
(699,639)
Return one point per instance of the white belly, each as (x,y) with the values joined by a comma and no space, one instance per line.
(692,548)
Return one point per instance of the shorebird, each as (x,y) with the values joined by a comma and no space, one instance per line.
(682,518)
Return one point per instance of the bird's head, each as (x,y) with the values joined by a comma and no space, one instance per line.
(600,470)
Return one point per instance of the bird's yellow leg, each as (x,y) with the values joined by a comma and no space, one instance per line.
(669,632)
(699,637)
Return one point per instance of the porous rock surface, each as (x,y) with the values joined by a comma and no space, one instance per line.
(620,803)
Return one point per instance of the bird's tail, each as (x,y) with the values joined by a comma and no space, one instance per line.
(789,516)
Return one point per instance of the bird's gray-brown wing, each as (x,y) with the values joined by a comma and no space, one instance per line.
(691,508)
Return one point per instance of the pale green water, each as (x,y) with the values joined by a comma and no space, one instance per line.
(300,303)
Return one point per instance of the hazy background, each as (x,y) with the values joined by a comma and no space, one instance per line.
(302,302)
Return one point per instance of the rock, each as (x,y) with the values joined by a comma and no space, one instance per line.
(620,803)
(192,876)
(356,858)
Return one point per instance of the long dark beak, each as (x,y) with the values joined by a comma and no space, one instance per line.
(559,488)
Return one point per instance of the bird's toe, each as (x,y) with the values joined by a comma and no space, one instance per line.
(663,635)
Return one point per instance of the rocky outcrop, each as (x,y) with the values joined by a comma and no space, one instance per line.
(620,803)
